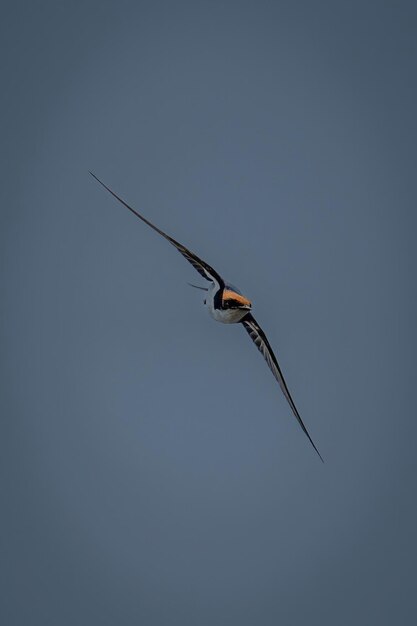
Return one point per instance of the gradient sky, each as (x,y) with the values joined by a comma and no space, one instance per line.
(152,473)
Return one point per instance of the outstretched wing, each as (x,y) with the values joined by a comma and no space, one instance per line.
(203,268)
(258,337)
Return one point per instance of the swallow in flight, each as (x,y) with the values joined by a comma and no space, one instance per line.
(226,304)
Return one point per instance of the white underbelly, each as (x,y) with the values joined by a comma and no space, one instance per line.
(227,316)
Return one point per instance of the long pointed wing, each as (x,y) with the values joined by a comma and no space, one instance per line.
(261,342)
(203,268)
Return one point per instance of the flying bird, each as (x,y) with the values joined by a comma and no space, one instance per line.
(228,305)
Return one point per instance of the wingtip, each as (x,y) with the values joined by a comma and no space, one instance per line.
(105,186)
(309,438)
(320,457)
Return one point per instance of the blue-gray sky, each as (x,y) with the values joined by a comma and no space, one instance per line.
(152,472)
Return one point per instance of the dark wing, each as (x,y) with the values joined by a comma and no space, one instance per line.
(259,339)
(201,266)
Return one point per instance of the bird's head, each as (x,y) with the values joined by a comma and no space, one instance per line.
(233,299)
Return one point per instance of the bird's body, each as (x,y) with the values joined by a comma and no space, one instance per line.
(227,305)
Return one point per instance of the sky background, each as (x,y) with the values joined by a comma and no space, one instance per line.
(151,471)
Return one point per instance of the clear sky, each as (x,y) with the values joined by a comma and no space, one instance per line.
(152,472)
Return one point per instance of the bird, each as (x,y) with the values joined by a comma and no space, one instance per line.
(226,304)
